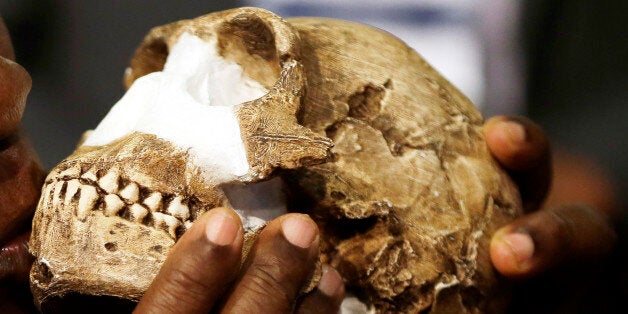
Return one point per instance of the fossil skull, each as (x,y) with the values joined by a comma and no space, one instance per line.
(406,197)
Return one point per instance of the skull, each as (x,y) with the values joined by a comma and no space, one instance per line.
(406,198)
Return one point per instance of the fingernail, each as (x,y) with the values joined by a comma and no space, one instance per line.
(330,282)
(299,230)
(221,229)
(516,132)
(521,245)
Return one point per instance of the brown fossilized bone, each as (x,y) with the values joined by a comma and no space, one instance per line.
(406,198)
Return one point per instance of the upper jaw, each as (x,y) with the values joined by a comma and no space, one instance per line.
(119,181)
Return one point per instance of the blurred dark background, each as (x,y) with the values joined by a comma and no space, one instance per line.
(575,60)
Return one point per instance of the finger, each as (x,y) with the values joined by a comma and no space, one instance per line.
(280,264)
(522,148)
(536,242)
(579,179)
(327,296)
(199,268)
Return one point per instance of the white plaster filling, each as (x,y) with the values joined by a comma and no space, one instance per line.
(191,105)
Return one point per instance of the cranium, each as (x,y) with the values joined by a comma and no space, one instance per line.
(385,154)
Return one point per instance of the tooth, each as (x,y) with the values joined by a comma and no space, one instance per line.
(90,175)
(131,192)
(88,199)
(153,201)
(48,194)
(113,204)
(109,182)
(178,210)
(138,212)
(171,223)
(73,187)
(56,196)
(188,224)
(72,172)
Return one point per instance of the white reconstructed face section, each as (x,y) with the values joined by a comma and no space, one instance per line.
(189,104)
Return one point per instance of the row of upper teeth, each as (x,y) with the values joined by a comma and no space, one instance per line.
(90,193)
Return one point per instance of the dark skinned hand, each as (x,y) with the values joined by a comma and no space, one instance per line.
(21,177)
(20,170)
(556,250)
(543,237)
(202,271)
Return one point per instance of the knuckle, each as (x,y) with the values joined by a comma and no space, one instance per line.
(181,288)
(269,282)
(183,281)
(162,303)
(581,229)
(561,226)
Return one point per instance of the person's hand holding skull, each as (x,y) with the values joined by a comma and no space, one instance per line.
(203,273)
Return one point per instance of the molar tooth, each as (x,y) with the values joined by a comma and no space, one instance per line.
(72,172)
(109,182)
(153,201)
(73,187)
(178,209)
(138,212)
(88,199)
(90,175)
(131,192)
(113,204)
(169,223)
(56,196)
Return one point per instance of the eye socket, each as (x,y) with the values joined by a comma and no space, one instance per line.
(245,39)
(249,41)
(150,57)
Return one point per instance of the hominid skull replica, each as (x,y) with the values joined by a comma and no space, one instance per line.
(244,109)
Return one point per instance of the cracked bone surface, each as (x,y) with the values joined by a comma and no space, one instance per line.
(406,199)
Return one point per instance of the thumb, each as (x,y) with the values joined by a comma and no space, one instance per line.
(539,241)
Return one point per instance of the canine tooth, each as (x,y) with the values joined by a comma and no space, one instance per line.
(73,187)
(178,209)
(47,194)
(72,172)
(90,175)
(153,201)
(56,196)
(131,192)
(171,223)
(109,182)
(138,212)
(113,204)
(89,196)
